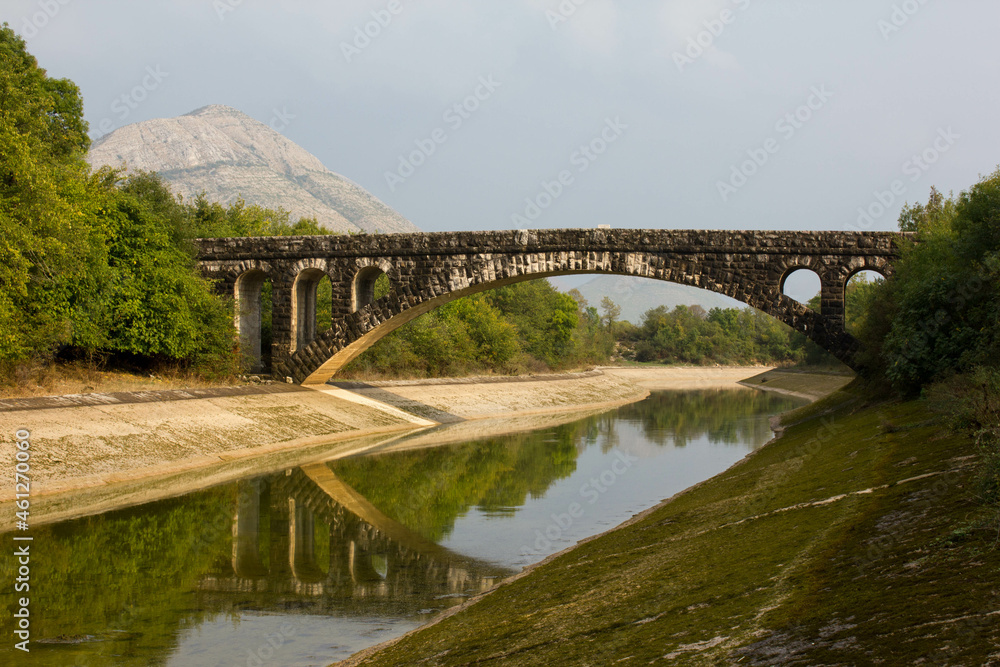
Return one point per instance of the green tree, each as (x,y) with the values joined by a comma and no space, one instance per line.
(612,312)
(494,337)
(687,334)
(544,317)
(50,256)
(158,304)
(940,312)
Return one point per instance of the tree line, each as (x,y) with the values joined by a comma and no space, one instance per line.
(99,264)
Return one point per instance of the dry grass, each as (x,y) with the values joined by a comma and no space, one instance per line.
(32,379)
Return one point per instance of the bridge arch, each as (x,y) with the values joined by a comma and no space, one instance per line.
(305,280)
(368,325)
(363,284)
(798,269)
(248,285)
(858,301)
(882,271)
(302,553)
(246,560)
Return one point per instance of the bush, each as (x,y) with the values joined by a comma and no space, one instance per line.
(940,313)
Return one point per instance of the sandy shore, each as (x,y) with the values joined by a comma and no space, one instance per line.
(685,377)
(97,451)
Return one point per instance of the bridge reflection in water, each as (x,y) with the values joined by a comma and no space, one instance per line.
(276,562)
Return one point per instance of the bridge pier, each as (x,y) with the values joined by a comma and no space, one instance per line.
(246,530)
(303,544)
(832,299)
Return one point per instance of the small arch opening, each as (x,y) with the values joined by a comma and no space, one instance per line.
(311,307)
(803,285)
(305,566)
(370,284)
(367,565)
(253,316)
(858,295)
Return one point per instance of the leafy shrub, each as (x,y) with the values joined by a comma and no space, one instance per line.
(940,313)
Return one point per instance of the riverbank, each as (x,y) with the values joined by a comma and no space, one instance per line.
(97,452)
(852,538)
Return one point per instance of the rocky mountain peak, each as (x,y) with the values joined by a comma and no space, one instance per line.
(227,154)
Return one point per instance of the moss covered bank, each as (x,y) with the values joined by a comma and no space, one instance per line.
(851,539)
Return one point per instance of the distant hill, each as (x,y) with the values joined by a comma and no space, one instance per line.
(637,295)
(227,154)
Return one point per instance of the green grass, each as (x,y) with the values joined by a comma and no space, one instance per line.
(813,383)
(719,576)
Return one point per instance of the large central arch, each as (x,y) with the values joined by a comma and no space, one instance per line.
(362,329)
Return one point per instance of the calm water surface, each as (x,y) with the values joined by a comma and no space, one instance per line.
(310,565)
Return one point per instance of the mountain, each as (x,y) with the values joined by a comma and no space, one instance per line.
(637,295)
(227,154)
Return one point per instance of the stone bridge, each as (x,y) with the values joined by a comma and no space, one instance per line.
(430,269)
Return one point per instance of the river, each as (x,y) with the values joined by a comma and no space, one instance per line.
(312,564)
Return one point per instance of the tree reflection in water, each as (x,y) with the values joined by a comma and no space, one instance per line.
(429,489)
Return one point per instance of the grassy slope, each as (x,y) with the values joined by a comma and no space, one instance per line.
(718,576)
(808,383)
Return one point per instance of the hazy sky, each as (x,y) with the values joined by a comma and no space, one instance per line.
(833,100)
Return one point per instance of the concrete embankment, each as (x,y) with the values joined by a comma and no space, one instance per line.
(95,452)
(853,538)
